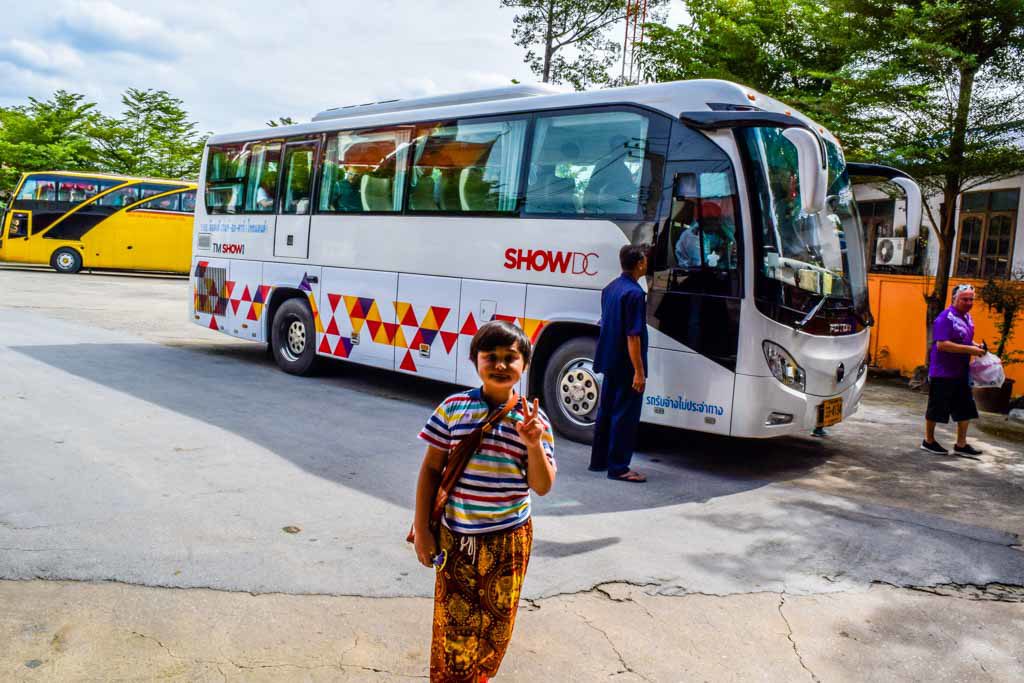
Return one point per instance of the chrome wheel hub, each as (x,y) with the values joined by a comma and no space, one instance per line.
(65,260)
(296,338)
(578,391)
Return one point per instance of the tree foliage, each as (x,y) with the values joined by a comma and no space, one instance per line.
(46,135)
(281,121)
(929,86)
(152,137)
(572,41)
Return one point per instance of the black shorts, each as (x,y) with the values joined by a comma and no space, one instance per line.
(950,397)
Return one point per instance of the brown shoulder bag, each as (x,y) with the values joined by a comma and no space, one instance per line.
(456,463)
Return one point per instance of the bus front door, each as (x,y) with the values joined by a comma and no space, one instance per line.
(16,246)
(295,200)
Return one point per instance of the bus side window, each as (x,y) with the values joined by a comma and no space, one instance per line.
(698,250)
(188,201)
(171,202)
(298,178)
(364,171)
(468,166)
(590,163)
(119,198)
(262,177)
(226,168)
(38,190)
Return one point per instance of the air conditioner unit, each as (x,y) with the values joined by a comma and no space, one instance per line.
(890,251)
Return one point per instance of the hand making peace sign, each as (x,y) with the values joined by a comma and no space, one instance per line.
(531,426)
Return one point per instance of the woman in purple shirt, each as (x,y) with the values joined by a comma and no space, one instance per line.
(949,393)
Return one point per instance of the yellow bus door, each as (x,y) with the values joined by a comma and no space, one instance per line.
(16,245)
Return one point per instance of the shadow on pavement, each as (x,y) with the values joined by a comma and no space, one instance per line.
(357,426)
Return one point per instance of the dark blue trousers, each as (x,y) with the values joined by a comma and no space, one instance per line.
(618,416)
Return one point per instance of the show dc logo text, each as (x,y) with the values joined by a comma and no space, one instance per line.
(220,248)
(540,260)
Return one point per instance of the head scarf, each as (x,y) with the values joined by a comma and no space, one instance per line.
(960,289)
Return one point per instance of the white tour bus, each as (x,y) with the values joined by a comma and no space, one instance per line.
(385,234)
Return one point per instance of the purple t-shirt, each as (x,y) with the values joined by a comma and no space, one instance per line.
(959,329)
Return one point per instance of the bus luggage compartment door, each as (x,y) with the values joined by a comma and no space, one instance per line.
(291,236)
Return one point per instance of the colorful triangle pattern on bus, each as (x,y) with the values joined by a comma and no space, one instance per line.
(247,303)
(413,330)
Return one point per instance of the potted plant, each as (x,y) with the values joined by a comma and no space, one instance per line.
(1006,299)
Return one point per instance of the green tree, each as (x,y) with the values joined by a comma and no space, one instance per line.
(968,54)
(46,135)
(810,54)
(153,137)
(929,86)
(549,29)
(281,121)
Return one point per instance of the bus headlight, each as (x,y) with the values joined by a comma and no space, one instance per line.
(783,366)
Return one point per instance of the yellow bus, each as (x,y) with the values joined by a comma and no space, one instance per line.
(73,220)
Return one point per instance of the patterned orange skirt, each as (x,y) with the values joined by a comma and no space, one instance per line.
(476,596)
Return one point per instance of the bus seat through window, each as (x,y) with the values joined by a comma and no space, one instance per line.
(421,195)
(611,188)
(551,194)
(376,193)
(475,193)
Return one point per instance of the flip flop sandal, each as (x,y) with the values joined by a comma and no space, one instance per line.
(630,476)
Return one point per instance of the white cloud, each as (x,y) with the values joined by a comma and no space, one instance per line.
(239,63)
(102,26)
(55,58)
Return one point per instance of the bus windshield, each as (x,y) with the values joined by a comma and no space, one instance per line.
(808,252)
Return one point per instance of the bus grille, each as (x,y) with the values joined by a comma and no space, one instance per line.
(211,289)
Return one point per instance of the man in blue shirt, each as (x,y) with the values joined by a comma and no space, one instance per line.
(622,357)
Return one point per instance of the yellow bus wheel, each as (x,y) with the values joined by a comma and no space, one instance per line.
(66,260)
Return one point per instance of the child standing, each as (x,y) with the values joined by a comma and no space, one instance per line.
(486,532)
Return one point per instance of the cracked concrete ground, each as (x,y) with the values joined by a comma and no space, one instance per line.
(89,631)
(139,468)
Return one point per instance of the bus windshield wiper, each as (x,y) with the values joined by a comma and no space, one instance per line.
(811,313)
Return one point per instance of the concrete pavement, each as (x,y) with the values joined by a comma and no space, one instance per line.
(140,451)
(75,631)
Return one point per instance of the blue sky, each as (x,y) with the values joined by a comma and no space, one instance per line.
(237,64)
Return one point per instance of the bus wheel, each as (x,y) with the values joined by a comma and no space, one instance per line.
(572,389)
(66,260)
(293,337)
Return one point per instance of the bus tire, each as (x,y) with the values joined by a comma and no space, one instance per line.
(66,260)
(572,389)
(293,337)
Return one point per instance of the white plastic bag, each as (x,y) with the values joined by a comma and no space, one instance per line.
(987,371)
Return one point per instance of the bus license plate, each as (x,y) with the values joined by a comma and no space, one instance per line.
(831,412)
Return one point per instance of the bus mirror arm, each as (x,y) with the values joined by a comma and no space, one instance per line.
(914,206)
(812,168)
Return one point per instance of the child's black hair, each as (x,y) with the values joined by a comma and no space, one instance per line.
(500,333)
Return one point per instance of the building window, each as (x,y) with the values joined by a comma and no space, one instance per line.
(878,218)
(988,221)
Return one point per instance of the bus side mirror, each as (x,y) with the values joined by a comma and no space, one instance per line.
(914,206)
(812,168)
(685,186)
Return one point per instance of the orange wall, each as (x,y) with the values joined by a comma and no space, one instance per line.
(898,338)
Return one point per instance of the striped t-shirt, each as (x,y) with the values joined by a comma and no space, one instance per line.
(492,494)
